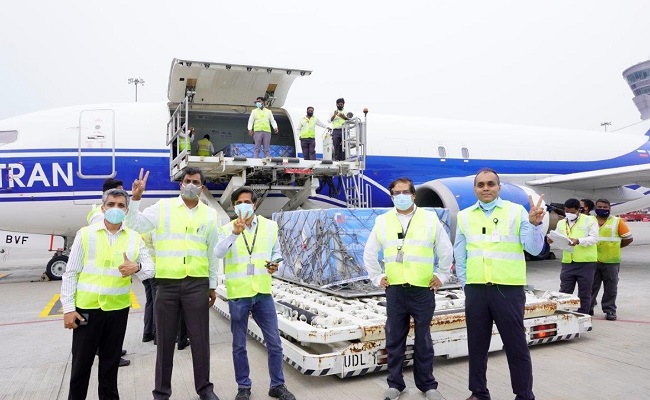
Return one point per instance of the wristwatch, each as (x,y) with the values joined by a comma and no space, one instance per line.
(139,267)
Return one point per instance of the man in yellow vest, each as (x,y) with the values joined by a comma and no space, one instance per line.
(578,265)
(185,232)
(410,238)
(307,134)
(251,250)
(259,126)
(206,148)
(96,215)
(613,235)
(338,120)
(491,236)
(95,294)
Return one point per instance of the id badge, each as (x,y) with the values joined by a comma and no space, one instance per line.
(495,236)
(400,257)
(250,269)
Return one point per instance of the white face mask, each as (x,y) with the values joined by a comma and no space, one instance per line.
(190,191)
(571,217)
(245,209)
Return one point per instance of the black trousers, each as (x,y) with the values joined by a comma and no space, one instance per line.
(103,335)
(150,286)
(402,303)
(337,143)
(503,305)
(607,274)
(191,295)
(308,148)
(581,273)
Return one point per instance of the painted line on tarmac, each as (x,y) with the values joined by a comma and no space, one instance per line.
(55,309)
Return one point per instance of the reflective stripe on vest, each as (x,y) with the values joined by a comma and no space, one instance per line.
(578,230)
(308,128)
(240,281)
(338,122)
(501,262)
(204,147)
(181,241)
(418,259)
(100,283)
(262,120)
(609,243)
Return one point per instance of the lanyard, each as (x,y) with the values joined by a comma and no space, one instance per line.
(404,232)
(250,250)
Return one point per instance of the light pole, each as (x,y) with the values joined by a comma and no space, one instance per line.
(136,82)
(605,124)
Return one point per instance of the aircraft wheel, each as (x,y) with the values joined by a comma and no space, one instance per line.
(56,267)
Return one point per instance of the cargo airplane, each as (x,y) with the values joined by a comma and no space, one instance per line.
(53,163)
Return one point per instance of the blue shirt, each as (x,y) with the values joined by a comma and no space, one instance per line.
(530,236)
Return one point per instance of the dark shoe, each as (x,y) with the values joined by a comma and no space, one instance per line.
(124,362)
(472,397)
(123,352)
(243,394)
(282,393)
(183,343)
(591,312)
(611,316)
(209,396)
(148,337)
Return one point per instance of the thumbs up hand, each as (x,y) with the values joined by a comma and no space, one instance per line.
(128,267)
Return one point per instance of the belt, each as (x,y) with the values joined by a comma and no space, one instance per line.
(406,285)
(490,284)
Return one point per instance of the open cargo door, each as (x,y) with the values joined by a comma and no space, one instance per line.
(229,84)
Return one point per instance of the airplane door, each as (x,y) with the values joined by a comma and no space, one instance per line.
(96,144)
(96,154)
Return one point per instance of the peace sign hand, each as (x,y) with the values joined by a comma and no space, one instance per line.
(537,212)
(239,225)
(139,185)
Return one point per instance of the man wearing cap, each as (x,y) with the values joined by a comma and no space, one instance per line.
(338,119)
(259,126)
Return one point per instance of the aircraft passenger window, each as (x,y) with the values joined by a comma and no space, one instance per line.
(442,152)
(465,152)
(8,137)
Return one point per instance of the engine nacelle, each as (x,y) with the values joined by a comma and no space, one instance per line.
(456,194)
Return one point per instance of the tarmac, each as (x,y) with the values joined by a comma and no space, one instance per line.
(610,362)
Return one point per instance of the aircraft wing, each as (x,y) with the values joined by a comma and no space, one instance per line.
(598,179)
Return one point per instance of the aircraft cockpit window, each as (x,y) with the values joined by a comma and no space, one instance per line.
(442,152)
(465,152)
(8,137)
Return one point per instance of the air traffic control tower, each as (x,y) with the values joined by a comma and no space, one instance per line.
(638,77)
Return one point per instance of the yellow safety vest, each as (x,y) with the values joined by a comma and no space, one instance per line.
(503,261)
(241,281)
(418,244)
(262,120)
(204,148)
(100,283)
(579,229)
(338,122)
(609,243)
(184,143)
(94,211)
(308,128)
(181,240)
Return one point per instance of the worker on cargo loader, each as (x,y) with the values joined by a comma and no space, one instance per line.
(339,116)
(251,250)
(410,239)
(579,264)
(613,234)
(307,134)
(206,148)
(259,126)
(491,237)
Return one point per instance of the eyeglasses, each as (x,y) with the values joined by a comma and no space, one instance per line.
(396,192)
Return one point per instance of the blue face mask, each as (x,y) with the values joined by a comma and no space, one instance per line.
(403,201)
(246,210)
(258,104)
(602,213)
(114,215)
(488,206)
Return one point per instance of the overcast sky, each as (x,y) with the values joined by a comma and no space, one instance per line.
(550,63)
